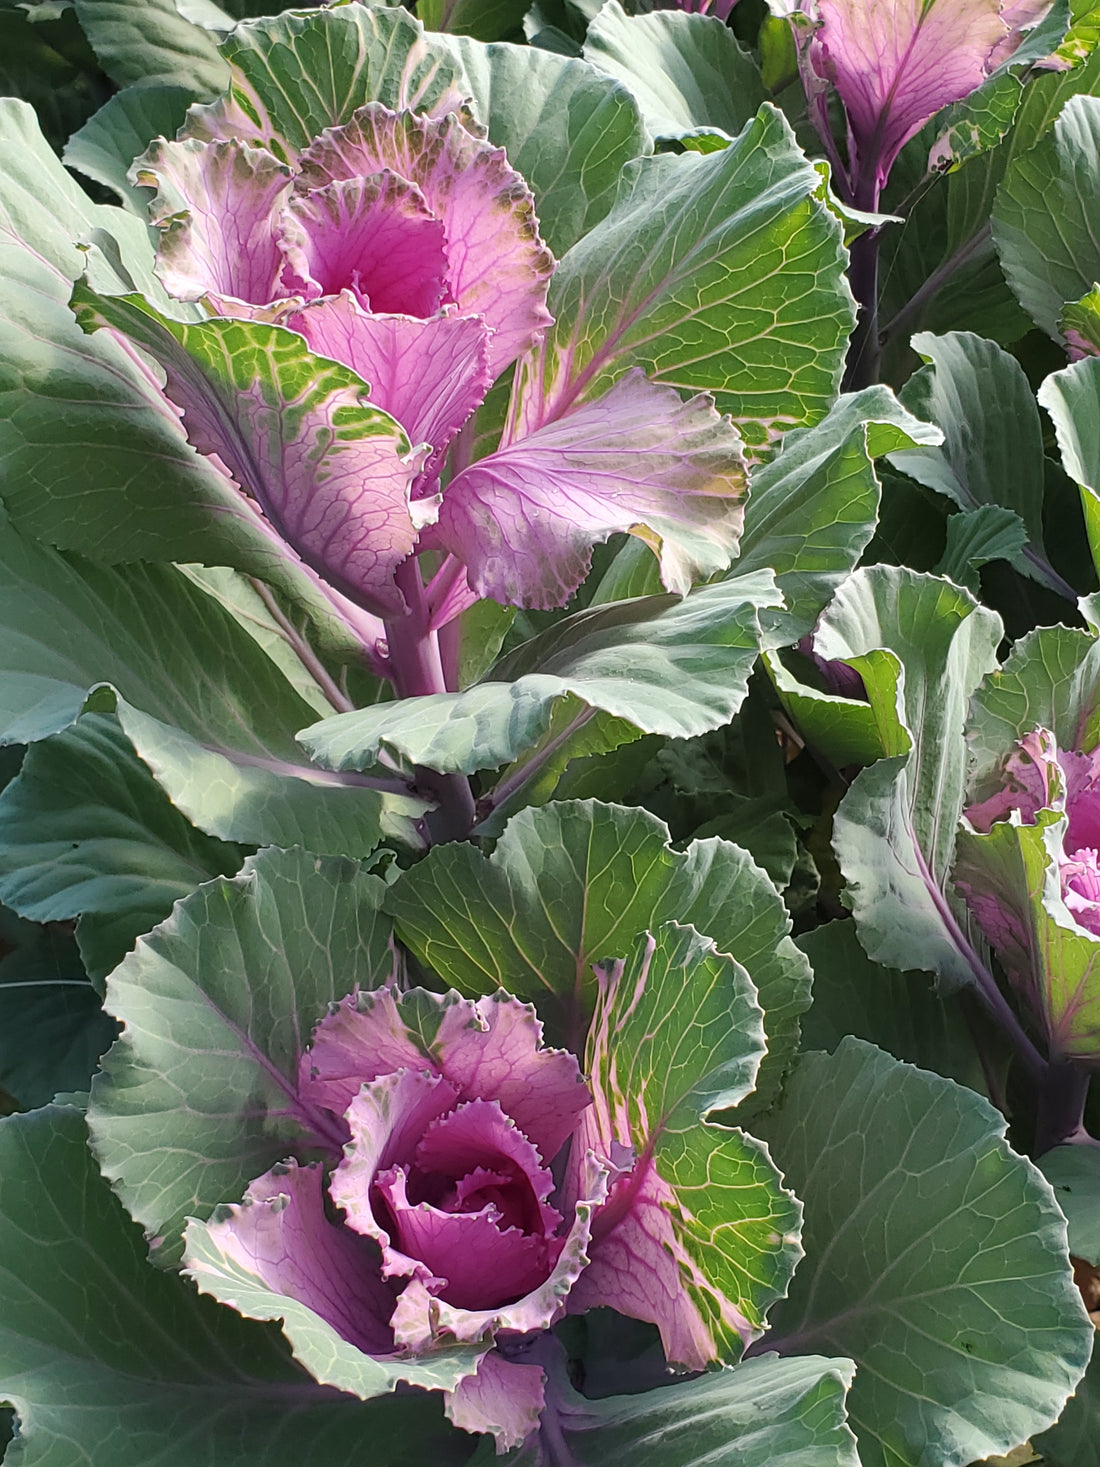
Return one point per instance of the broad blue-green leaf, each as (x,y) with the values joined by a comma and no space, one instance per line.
(894,831)
(812,508)
(677,1035)
(85,828)
(1072,398)
(1074,1173)
(688,73)
(666,665)
(721,273)
(76,444)
(297,73)
(1075,1440)
(977,536)
(993,437)
(205,708)
(123,128)
(1010,877)
(1043,216)
(485,20)
(899,1012)
(935,1258)
(846,730)
(199,1097)
(767,1413)
(572,882)
(53,1025)
(150,41)
(103,1355)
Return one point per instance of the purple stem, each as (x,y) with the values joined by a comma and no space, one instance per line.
(416,670)
(986,985)
(865,348)
(1060,1115)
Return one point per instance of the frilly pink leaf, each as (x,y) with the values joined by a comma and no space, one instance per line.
(487,1049)
(638,459)
(497,265)
(281,1235)
(214,206)
(504,1398)
(897,62)
(430,375)
(373,236)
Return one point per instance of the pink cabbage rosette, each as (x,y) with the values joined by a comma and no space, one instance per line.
(406,248)
(1029,870)
(441,1225)
(1040,776)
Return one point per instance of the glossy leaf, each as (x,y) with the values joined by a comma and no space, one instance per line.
(189,705)
(993,439)
(1074,1173)
(670,666)
(1042,218)
(1080,325)
(124,126)
(688,73)
(149,41)
(935,1258)
(710,1239)
(85,828)
(977,536)
(100,1349)
(576,880)
(200,1095)
(692,277)
(894,832)
(1072,398)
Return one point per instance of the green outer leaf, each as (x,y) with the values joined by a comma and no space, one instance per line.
(1074,1173)
(1072,398)
(977,536)
(197,1098)
(206,709)
(975,124)
(149,41)
(53,1036)
(812,508)
(899,1012)
(1074,1441)
(76,445)
(1042,218)
(993,448)
(106,1356)
(325,1354)
(666,665)
(722,272)
(894,832)
(1050,679)
(573,881)
(677,1035)
(85,828)
(568,129)
(123,127)
(688,72)
(935,1258)
(767,1413)
(1048,957)
(297,73)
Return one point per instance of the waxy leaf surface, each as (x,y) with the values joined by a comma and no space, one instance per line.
(935,1258)
(200,1096)
(709,1239)
(721,273)
(97,1348)
(576,880)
